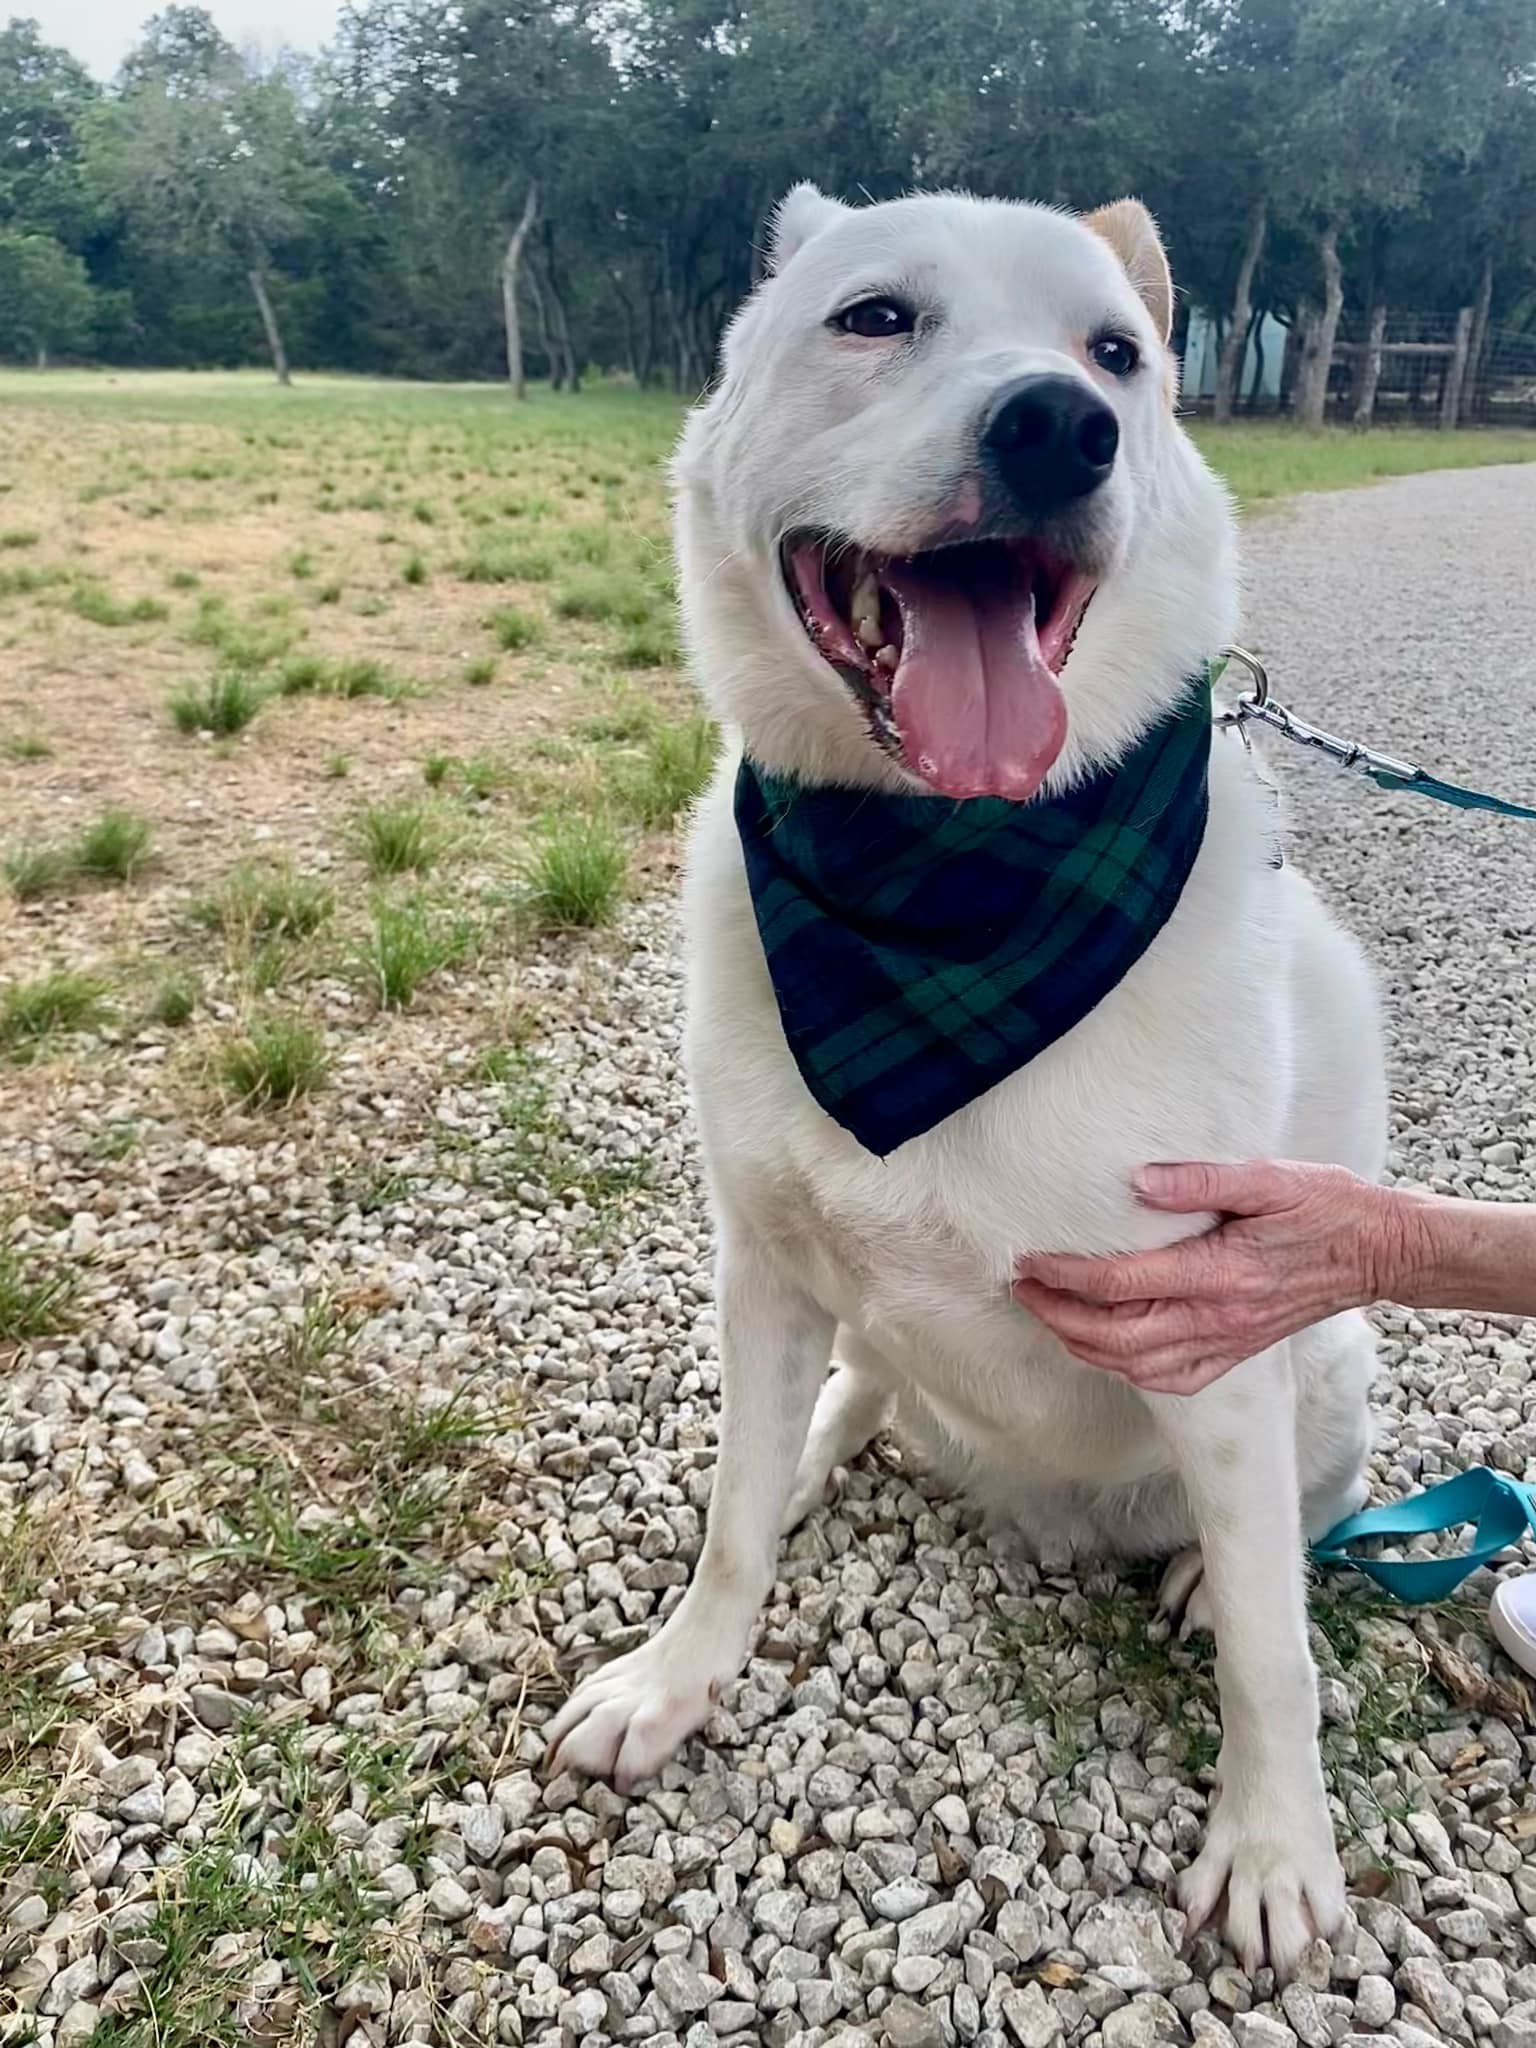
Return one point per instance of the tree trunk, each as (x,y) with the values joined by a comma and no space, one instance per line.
(256,278)
(1229,364)
(1256,388)
(1450,403)
(511,261)
(1368,375)
(546,339)
(1472,407)
(42,355)
(1317,360)
(560,333)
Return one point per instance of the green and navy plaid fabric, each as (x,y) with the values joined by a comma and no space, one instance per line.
(922,949)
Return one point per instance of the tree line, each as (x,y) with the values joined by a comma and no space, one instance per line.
(551,186)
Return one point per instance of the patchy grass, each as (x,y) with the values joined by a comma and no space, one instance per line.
(399,838)
(677,764)
(115,847)
(30,746)
(278,1058)
(93,601)
(574,878)
(37,869)
(261,901)
(1273,460)
(174,1002)
(33,1014)
(223,706)
(408,942)
(514,629)
(35,1291)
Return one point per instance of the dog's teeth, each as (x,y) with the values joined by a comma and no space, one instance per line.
(868,633)
(887,657)
(865,608)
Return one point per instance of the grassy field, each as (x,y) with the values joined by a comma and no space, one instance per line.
(335,727)
(309,697)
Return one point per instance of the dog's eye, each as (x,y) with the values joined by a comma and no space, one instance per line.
(1112,352)
(875,319)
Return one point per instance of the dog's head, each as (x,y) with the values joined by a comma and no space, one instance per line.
(938,525)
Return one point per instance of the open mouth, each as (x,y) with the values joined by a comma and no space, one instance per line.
(953,654)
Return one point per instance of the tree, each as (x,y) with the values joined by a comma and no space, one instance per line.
(46,301)
(205,155)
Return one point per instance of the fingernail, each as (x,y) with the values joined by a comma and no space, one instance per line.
(1154,1180)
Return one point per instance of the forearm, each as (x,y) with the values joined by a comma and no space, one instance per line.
(1447,1253)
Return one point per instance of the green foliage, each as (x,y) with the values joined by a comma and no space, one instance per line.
(35,1293)
(398,838)
(115,847)
(678,762)
(278,1058)
(34,1013)
(574,876)
(408,942)
(223,706)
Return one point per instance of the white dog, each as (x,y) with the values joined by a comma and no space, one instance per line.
(942,426)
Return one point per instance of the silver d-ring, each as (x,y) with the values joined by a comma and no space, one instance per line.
(1260,693)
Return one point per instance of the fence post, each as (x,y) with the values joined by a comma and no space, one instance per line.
(1450,403)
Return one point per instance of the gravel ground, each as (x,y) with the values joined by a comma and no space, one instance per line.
(320,1569)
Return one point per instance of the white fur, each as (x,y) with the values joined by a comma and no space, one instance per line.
(1249,1028)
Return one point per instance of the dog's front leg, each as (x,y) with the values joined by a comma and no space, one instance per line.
(1269,1845)
(630,1715)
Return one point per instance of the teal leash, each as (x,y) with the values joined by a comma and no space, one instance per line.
(1258,707)
(1503,1510)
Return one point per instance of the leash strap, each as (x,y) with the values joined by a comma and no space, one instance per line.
(1502,1508)
(1259,707)
(1421,783)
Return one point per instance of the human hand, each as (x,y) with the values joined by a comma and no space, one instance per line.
(1296,1243)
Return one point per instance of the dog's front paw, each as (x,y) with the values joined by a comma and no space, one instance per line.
(1276,1863)
(627,1718)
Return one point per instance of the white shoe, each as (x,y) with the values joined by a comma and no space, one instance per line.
(1514,1620)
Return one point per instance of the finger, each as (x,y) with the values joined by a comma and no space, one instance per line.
(1119,1338)
(1179,1372)
(1248,1188)
(1137,1276)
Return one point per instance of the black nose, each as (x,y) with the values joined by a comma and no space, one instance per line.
(1050,440)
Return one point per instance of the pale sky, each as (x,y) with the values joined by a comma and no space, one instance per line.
(101,32)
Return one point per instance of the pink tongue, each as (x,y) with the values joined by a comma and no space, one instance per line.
(978,710)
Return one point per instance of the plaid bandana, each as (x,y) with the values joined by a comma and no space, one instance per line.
(922,949)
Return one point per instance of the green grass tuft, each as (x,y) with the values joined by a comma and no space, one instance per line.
(116,847)
(29,746)
(610,595)
(480,671)
(515,629)
(34,1012)
(174,1002)
(35,1294)
(261,901)
(36,869)
(224,706)
(679,760)
(94,602)
(574,878)
(279,1057)
(398,838)
(515,562)
(407,944)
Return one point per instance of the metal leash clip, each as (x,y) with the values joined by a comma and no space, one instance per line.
(1258,705)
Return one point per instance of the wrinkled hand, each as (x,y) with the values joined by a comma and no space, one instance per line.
(1296,1243)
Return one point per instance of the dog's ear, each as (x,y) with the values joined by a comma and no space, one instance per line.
(1132,233)
(803,212)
